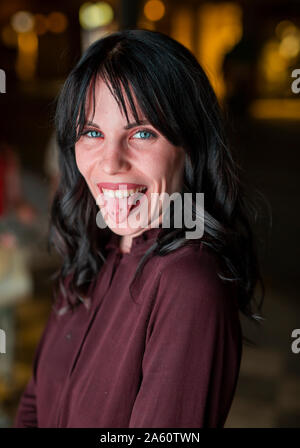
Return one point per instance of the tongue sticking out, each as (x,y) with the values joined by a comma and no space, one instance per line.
(119,208)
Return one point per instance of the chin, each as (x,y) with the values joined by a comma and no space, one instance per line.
(123,229)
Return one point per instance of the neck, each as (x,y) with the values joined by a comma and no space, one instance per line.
(125,244)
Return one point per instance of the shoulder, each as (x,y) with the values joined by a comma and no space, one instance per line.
(190,275)
(194,265)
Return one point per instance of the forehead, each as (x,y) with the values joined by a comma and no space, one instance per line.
(105,101)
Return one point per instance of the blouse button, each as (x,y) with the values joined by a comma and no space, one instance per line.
(68,335)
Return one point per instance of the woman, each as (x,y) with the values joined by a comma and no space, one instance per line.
(145,330)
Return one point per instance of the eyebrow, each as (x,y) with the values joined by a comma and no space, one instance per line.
(128,126)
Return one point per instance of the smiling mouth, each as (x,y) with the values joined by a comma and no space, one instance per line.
(122,206)
(122,193)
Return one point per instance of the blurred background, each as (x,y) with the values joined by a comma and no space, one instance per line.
(249,49)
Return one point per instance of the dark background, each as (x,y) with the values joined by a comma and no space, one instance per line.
(249,49)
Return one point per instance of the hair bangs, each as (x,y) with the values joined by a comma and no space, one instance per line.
(136,80)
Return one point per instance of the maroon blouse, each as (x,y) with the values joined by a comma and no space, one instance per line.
(171,358)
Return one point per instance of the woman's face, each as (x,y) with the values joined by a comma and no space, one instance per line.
(109,151)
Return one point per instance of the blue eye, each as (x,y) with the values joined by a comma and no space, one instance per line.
(145,134)
(92,134)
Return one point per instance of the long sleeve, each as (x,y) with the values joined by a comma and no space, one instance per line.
(192,352)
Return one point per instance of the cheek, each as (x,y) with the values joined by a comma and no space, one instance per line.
(157,166)
(168,164)
(82,162)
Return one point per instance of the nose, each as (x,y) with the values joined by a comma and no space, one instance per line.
(115,161)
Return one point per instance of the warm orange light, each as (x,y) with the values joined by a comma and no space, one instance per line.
(182,26)
(40,24)
(154,10)
(283,28)
(27,55)
(277,56)
(28,42)
(219,30)
(57,22)
(290,46)
(288,109)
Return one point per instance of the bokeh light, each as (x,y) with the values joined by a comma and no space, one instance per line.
(283,28)
(154,10)
(94,15)
(290,46)
(22,21)
(27,55)
(57,22)
(220,28)
(28,42)
(40,24)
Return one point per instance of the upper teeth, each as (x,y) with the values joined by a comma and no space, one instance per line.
(121,193)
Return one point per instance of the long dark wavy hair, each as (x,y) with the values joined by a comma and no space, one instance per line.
(176,97)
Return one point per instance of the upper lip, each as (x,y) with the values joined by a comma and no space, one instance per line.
(118,186)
